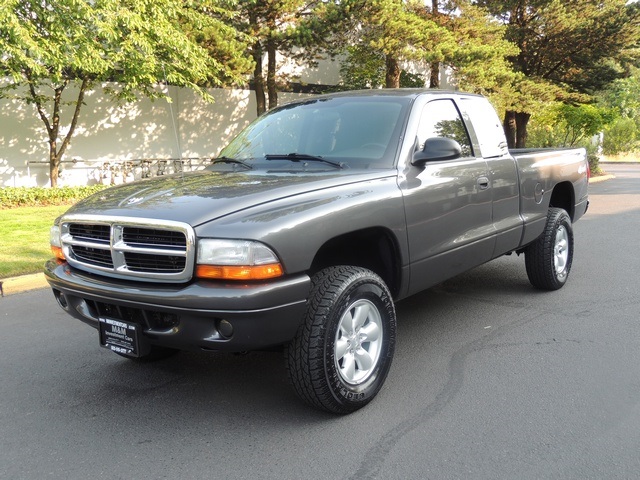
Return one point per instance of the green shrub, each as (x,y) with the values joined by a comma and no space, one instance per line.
(620,137)
(11,197)
(593,158)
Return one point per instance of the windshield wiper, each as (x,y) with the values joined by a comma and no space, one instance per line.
(233,161)
(298,157)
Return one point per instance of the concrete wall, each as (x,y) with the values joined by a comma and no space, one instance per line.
(116,143)
(111,139)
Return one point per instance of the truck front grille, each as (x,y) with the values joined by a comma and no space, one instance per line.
(129,248)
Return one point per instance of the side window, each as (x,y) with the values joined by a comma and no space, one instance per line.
(440,118)
(487,126)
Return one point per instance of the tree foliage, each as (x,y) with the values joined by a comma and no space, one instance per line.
(391,37)
(568,51)
(382,35)
(478,63)
(50,45)
(623,97)
(564,125)
(291,28)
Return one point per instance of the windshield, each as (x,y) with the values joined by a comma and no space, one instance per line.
(357,132)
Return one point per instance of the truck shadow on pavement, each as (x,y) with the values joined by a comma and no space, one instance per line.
(194,388)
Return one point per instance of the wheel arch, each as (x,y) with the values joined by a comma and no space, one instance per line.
(563,196)
(373,248)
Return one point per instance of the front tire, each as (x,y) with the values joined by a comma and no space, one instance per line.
(549,258)
(342,353)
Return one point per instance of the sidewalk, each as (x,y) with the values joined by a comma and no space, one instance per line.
(23,283)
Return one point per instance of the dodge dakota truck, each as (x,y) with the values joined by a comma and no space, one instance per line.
(308,227)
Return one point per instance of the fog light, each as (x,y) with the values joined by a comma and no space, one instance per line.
(225,328)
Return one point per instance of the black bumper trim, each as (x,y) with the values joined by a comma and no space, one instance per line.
(187,317)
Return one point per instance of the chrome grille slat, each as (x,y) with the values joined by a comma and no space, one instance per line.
(146,237)
(157,263)
(93,255)
(90,233)
(129,248)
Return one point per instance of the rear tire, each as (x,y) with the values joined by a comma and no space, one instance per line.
(549,258)
(342,353)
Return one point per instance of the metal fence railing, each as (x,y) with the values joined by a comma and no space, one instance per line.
(115,172)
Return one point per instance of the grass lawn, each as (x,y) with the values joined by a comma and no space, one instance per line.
(24,239)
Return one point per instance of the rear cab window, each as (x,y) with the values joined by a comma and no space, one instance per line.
(486,125)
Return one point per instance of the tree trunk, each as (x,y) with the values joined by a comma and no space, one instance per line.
(271,73)
(258,79)
(510,128)
(392,77)
(53,125)
(522,120)
(434,76)
(54,164)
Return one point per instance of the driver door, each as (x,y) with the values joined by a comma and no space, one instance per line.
(448,203)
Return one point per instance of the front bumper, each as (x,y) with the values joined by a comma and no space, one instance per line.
(202,315)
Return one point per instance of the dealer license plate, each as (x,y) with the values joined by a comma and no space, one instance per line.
(120,337)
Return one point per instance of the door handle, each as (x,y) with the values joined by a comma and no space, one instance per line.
(483,183)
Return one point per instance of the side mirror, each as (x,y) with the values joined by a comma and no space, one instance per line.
(437,148)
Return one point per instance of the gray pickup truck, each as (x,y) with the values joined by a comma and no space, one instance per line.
(308,227)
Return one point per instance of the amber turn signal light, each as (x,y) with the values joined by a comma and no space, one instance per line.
(57,252)
(249,272)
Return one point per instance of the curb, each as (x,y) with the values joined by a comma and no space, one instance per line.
(630,162)
(601,178)
(24,283)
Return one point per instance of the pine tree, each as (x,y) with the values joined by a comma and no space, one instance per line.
(569,49)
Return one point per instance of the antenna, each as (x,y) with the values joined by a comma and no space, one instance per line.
(173,120)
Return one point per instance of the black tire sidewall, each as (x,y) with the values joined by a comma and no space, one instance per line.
(370,288)
(564,221)
(540,255)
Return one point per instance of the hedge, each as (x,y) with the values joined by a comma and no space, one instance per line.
(11,197)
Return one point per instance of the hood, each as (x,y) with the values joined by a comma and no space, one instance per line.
(200,197)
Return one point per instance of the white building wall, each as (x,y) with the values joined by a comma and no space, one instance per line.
(108,135)
(111,139)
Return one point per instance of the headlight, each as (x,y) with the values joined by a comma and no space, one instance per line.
(56,242)
(236,260)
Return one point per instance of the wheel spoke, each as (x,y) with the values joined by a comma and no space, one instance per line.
(363,359)
(370,332)
(360,314)
(346,324)
(342,345)
(349,367)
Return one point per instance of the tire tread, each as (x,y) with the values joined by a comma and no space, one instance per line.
(539,254)
(305,353)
